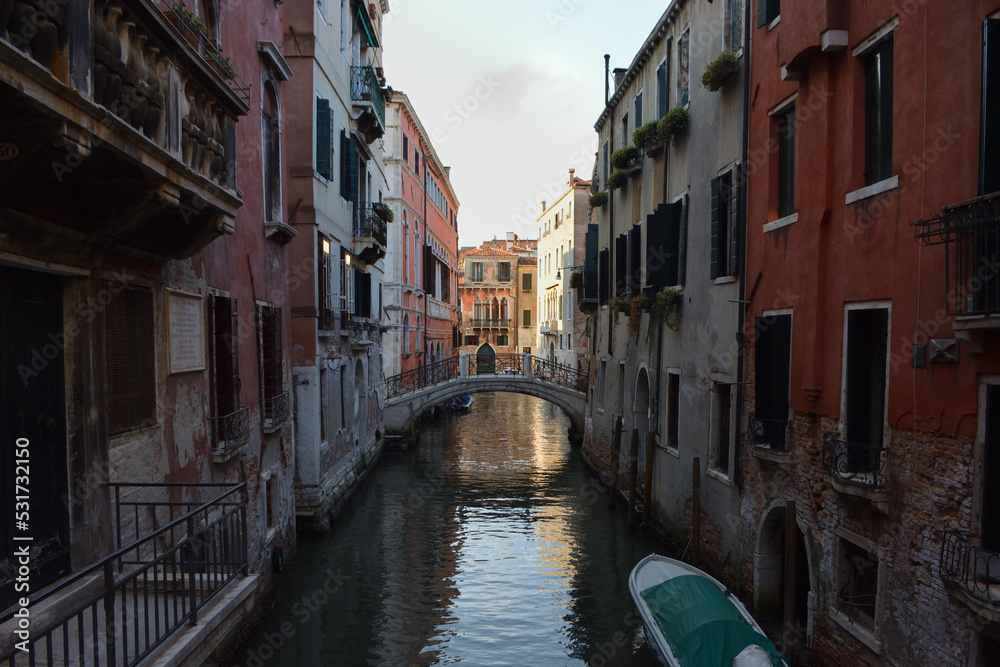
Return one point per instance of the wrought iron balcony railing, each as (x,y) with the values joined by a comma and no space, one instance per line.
(369,224)
(232,430)
(490,322)
(365,88)
(854,462)
(972,568)
(173,557)
(970,232)
(768,433)
(276,409)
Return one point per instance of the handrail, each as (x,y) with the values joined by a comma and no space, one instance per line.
(542,370)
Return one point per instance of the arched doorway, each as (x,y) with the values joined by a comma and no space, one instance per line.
(640,422)
(769,585)
(486,359)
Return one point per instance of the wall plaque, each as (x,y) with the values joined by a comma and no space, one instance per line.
(187,332)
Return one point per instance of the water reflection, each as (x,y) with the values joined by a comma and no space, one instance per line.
(486,545)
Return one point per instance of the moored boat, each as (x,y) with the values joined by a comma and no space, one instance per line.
(692,620)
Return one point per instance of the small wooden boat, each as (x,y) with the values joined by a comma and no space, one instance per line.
(461,403)
(692,620)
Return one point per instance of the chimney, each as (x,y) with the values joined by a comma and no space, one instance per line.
(510,239)
(543,206)
(607,65)
(619,73)
(571,172)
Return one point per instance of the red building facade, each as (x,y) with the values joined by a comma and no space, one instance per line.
(870,492)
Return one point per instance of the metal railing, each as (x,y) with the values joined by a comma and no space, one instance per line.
(550,371)
(972,568)
(971,233)
(276,409)
(768,433)
(855,462)
(365,87)
(232,430)
(369,224)
(125,605)
(418,378)
(490,322)
(499,364)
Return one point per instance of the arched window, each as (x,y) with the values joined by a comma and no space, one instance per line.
(406,334)
(209,15)
(271,153)
(503,309)
(495,309)
(477,309)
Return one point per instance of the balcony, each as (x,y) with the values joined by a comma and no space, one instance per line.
(544,327)
(275,410)
(490,322)
(856,468)
(178,548)
(369,100)
(970,232)
(973,571)
(130,114)
(769,438)
(229,433)
(370,231)
(811,28)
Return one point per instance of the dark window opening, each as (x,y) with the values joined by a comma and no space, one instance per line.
(725,226)
(663,246)
(225,355)
(878,113)
(767,11)
(621,266)
(272,155)
(662,86)
(503,272)
(989,166)
(772,364)
(130,345)
(635,260)
(604,279)
(857,594)
(990,522)
(867,332)
(786,162)
(723,404)
(272,377)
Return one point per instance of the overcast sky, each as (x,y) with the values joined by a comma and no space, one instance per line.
(509,92)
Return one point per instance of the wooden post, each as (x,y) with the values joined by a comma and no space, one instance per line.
(696,512)
(633,473)
(616,461)
(647,482)
(791,530)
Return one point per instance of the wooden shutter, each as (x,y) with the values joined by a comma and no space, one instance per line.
(989,165)
(225,354)
(604,276)
(270,324)
(716,191)
(353,165)
(621,265)
(324,140)
(663,246)
(590,263)
(735,226)
(634,259)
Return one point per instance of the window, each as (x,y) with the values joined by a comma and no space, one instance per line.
(663,246)
(989,148)
(560,316)
(721,431)
(590,263)
(225,368)
(346,288)
(878,112)
(362,293)
(772,362)
(526,318)
(785,126)
(662,81)
(271,153)
(683,68)
(526,350)
(348,166)
(638,111)
(327,305)
(471,339)
(416,161)
(601,380)
(503,340)
(604,150)
(625,135)
(503,272)
(130,346)
(525,282)
(865,386)
(635,259)
(324,139)
(604,276)
(734,24)
(673,409)
(857,583)
(621,266)
(271,367)
(767,11)
(725,225)
(406,334)
(406,149)
(477,272)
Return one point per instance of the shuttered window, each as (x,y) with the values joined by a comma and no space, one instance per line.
(225,355)
(663,246)
(324,139)
(621,265)
(767,11)
(878,113)
(590,276)
(635,259)
(271,376)
(130,348)
(348,166)
(327,305)
(725,225)
(604,276)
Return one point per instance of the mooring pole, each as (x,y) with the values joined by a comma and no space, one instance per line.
(647,479)
(633,473)
(696,511)
(616,461)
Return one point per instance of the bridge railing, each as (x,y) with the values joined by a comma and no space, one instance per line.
(550,371)
(418,378)
(500,364)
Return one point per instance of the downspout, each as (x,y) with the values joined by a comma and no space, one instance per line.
(740,333)
(659,336)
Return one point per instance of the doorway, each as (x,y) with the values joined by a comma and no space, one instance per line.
(486,359)
(769,586)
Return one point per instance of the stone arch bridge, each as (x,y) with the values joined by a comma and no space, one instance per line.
(409,395)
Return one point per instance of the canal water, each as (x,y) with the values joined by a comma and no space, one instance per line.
(490,543)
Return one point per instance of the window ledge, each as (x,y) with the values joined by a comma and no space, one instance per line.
(719,475)
(861,634)
(782,458)
(672,451)
(775,22)
(280,231)
(781,222)
(885,185)
(725,280)
(223,455)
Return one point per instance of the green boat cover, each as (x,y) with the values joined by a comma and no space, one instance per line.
(701,624)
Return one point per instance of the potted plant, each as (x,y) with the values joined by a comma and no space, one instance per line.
(665,306)
(575,280)
(616,179)
(616,304)
(720,70)
(624,158)
(599,198)
(635,307)
(646,138)
(672,125)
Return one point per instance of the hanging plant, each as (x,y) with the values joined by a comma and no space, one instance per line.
(575,280)
(672,125)
(645,137)
(666,307)
(623,158)
(617,179)
(599,198)
(635,306)
(720,70)
(616,305)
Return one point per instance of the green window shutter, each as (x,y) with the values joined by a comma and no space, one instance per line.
(716,187)
(590,263)
(767,11)
(735,211)
(353,157)
(345,165)
(324,142)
